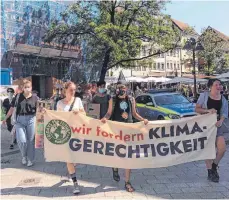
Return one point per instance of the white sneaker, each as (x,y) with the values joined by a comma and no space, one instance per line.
(24,161)
(76,189)
(29,164)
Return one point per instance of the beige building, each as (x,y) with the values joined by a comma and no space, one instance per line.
(170,64)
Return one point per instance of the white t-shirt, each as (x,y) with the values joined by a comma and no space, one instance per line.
(61,106)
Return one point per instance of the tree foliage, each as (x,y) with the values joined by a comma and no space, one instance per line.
(113,32)
(214,51)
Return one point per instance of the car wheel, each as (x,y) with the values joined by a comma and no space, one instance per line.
(160,118)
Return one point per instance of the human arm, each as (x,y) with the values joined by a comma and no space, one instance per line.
(223,112)
(10,112)
(200,108)
(135,114)
(109,111)
(80,108)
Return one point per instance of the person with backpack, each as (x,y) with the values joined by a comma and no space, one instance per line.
(214,102)
(122,109)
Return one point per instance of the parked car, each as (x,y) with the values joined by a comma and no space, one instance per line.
(163,105)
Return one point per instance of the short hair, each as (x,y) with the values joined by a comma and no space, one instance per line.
(211,81)
(101,83)
(10,90)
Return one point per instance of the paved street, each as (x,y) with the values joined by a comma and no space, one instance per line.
(45,180)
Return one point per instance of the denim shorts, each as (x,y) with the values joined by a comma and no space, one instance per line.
(221,130)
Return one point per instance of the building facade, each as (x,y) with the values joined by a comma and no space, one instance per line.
(173,63)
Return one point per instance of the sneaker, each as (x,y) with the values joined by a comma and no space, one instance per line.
(24,161)
(12,146)
(29,164)
(215,176)
(76,189)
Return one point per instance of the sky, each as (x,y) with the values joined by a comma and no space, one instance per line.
(201,14)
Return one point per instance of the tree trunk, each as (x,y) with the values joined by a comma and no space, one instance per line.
(209,65)
(105,65)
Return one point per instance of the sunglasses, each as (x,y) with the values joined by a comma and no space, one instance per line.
(10,92)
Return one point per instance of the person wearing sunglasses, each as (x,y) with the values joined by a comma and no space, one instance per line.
(6,105)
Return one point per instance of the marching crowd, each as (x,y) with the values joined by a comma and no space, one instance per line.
(116,103)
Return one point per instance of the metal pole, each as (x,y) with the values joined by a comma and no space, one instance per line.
(194,73)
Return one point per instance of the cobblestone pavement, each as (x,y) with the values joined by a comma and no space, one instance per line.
(45,180)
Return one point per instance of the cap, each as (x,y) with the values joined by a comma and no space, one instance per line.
(10,90)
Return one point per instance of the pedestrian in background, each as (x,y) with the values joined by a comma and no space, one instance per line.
(25,104)
(6,105)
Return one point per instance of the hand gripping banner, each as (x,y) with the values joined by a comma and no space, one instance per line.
(80,139)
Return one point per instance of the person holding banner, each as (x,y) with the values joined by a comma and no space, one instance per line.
(122,109)
(68,104)
(214,102)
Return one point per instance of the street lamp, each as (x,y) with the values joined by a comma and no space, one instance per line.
(193,45)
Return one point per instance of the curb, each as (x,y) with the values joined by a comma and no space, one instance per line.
(10,153)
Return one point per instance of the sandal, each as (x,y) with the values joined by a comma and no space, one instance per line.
(129,187)
(116,176)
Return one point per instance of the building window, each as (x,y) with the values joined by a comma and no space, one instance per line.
(167,65)
(171,53)
(162,55)
(150,66)
(178,53)
(158,66)
(144,51)
(154,66)
(171,65)
(144,68)
(174,53)
(175,66)
(178,66)
(162,66)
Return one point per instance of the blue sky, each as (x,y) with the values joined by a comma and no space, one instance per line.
(201,14)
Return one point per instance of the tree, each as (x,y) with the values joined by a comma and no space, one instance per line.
(114,31)
(213,52)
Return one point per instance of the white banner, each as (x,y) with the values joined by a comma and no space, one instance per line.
(80,139)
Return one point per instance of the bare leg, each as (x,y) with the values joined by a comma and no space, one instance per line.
(72,172)
(208,163)
(127,175)
(71,168)
(221,149)
(128,185)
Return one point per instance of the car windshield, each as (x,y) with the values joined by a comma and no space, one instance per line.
(170,99)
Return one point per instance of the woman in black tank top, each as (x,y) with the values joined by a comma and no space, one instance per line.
(123,111)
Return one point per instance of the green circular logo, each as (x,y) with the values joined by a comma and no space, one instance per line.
(58,132)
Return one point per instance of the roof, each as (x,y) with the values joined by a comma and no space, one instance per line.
(221,35)
(181,25)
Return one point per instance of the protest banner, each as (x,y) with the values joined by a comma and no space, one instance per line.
(80,139)
(93,110)
(39,126)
